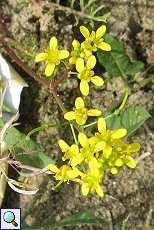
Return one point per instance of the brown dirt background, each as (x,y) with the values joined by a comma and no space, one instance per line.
(129,194)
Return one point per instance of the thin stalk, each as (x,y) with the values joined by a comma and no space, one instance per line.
(116,112)
(73,132)
(58,101)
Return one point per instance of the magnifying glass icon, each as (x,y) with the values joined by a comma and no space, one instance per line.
(9,217)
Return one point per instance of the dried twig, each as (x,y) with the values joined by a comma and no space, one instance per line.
(144,155)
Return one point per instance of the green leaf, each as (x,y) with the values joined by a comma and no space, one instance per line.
(103,18)
(81,4)
(27,151)
(130,119)
(85,217)
(116,62)
(123,226)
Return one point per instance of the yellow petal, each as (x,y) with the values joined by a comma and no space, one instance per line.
(104,46)
(107,151)
(74,149)
(40,57)
(84,31)
(101,125)
(100,146)
(81,120)
(53,168)
(79,103)
(99,190)
(80,65)
(76,160)
(75,44)
(87,52)
(91,62)
(92,140)
(119,163)
(100,31)
(63,54)
(49,69)
(82,139)
(53,43)
(84,87)
(98,81)
(69,115)
(63,145)
(86,45)
(114,170)
(131,163)
(85,189)
(134,147)
(119,133)
(73,174)
(94,112)
(72,60)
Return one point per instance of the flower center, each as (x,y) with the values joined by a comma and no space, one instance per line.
(81,113)
(53,56)
(86,74)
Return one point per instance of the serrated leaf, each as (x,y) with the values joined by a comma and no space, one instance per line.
(116,62)
(131,119)
(27,151)
(85,217)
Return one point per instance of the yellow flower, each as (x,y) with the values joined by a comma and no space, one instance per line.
(91,180)
(107,138)
(81,113)
(123,152)
(86,74)
(120,156)
(65,172)
(94,40)
(71,153)
(51,56)
(88,146)
(78,52)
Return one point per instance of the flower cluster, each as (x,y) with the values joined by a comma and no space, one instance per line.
(82,56)
(87,161)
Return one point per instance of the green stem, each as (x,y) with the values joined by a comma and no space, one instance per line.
(73,73)
(73,132)
(116,112)
(59,183)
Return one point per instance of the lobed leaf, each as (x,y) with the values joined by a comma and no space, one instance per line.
(27,151)
(130,119)
(85,217)
(116,62)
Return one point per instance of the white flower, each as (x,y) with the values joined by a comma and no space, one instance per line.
(13,83)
